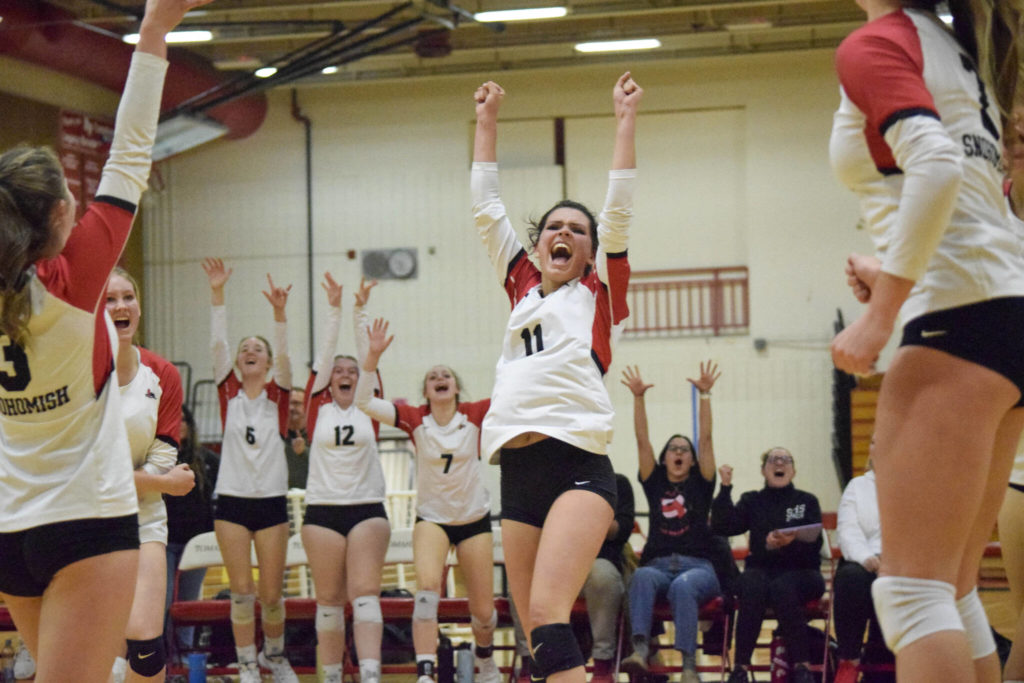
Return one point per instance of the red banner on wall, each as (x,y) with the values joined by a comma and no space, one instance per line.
(84,143)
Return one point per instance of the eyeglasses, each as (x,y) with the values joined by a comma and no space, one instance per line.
(779,460)
(679,449)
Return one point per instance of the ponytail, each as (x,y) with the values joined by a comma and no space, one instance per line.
(31,183)
(989,31)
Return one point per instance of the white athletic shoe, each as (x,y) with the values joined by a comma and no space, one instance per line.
(278,666)
(488,670)
(24,665)
(249,673)
(332,678)
(424,679)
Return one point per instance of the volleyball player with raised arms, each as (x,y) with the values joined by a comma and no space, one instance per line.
(550,419)
(69,530)
(252,484)
(345,531)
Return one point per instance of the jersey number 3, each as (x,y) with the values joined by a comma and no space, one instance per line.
(15,355)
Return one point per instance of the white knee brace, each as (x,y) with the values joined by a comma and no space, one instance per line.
(243,608)
(485,627)
(909,609)
(425,606)
(272,613)
(329,618)
(979,634)
(366,608)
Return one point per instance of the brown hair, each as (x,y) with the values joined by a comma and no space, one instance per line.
(988,31)
(31,184)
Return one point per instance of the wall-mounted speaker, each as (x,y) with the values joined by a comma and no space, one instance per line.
(389,264)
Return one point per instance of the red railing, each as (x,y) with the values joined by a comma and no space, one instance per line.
(688,302)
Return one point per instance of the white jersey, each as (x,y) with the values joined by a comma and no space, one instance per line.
(151,404)
(63,448)
(344,466)
(449,486)
(252,460)
(903,75)
(557,348)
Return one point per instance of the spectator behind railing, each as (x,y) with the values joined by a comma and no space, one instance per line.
(860,538)
(676,560)
(295,442)
(783,569)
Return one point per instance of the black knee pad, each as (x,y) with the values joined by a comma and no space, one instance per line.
(146,657)
(554,649)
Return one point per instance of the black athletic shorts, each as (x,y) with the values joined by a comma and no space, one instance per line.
(457,533)
(987,333)
(343,518)
(534,476)
(29,559)
(255,514)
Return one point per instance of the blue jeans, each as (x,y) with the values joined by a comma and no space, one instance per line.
(189,587)
(687,582)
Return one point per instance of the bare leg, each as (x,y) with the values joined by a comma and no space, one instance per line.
(476,557)
(1011,536)
(987,669)
(521,542)
(325,549)
(430,552)
(925,454)
(271,550)
(147,616)
(68,651)
(573,532)
(367,545)
(235,546)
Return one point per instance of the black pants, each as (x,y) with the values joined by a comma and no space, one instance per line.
(854,611)
(786,592)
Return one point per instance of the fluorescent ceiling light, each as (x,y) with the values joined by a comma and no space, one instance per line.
(183,132)
(619,45)
(328,70)
(266,71)
(521,14)
(174,37)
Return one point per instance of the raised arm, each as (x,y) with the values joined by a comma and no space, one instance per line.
(709,374)
(626,95)
(218,276)
(376,408)
(485,141)
(645,452)
(324,361)
(278,298)
(727,519)
(361,319)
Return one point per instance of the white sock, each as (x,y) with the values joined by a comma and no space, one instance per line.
(273,647)
(246,654)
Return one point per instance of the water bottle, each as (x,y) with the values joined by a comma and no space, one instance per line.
(464,665)
(780,662)
(7,663)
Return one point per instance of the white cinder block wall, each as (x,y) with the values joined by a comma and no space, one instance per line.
(734,171)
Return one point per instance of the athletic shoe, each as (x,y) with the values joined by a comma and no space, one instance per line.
(488,670)
(332,678)
(739,675)
(279,667)
(24,665)
(689,676)
(424,679)
(634,665)
(249,673)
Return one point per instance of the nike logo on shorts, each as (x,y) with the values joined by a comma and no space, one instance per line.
(141,656)
(928,334)
(581,483)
